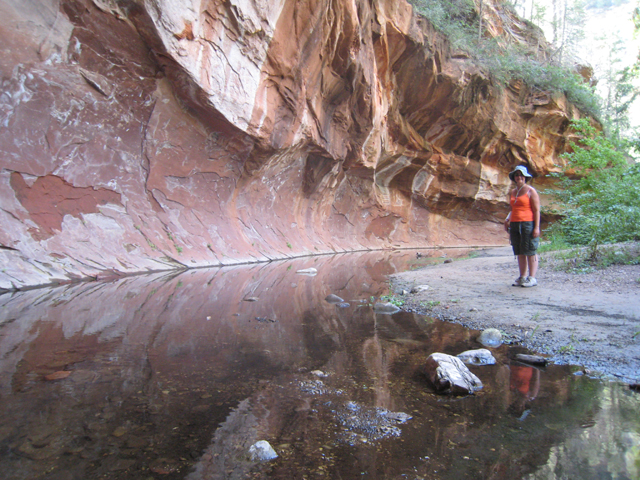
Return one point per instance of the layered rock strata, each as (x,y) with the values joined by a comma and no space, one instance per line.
(148,135)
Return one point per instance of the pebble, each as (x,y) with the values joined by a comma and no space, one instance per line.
(262,451)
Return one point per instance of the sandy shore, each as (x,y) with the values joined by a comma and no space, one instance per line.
(587,319)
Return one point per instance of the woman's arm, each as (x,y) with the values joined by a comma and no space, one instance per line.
(507,221)
(535,208)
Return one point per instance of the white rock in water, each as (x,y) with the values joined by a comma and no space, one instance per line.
(491,337)
(481,356)
(308,271)
(449,375)
(262,451)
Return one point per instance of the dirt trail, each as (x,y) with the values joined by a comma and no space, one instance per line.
(588,319)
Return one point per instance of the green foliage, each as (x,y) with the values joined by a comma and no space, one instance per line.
(621,95)
(614,256)
(457,19)
(567,349)
(600,196)
(430,304)
(459,22)
(398,302)
(555,241)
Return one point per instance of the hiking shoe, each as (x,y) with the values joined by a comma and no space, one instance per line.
(529,282)
(518,282)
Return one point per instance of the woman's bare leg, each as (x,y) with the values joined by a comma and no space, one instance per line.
(522,265)
(532,261)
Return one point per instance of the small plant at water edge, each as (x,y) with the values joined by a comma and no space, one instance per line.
(430,304)
(392,299)
(567,349)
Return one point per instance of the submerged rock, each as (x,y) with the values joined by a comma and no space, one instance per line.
(364,424)
(262,451)
(331,298)
(491,337)
(481,356)
(314,387)
(449,375)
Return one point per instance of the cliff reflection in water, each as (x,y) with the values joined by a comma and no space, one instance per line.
(176,376)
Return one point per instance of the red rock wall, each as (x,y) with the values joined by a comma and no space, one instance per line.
(141,136)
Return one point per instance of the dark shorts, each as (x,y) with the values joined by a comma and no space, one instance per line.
(522,241)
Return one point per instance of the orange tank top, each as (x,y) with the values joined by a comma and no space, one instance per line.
(521,208)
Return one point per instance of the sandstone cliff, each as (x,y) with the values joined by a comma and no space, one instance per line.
(156,134)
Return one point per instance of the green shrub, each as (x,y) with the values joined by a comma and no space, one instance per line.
(600,199)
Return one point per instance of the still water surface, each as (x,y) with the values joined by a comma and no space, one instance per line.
(176,376)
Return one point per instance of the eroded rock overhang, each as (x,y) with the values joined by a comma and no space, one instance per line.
(148,135)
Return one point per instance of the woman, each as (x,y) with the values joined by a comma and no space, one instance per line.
(523,225)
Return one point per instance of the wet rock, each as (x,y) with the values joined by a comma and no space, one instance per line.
(308,271)
(262,451)
(481,356)
(491,337)
(386,308)
(450,375)
(333,299)
(531,359)
(34,452)
(419,288)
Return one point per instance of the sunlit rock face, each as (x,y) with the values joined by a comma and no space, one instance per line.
(140,136)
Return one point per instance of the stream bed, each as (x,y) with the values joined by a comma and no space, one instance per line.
(177,375)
